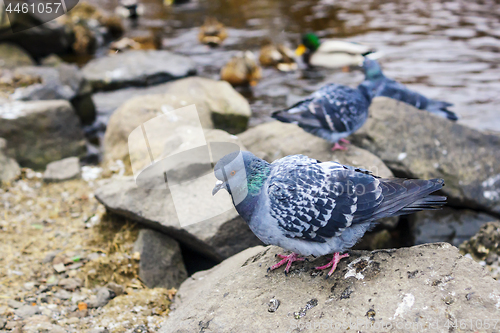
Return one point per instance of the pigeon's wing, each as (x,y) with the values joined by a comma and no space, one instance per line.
(313,201)
(339,109)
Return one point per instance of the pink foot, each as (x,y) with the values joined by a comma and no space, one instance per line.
(345,141)
(333,262)
(337,146)
(289,259)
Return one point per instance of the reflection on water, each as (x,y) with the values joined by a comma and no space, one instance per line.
(445,50)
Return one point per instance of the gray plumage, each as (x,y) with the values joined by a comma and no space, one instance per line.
(315,208)
(332,112)
(379,85)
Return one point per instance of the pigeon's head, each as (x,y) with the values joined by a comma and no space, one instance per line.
(372,69)
(240,173)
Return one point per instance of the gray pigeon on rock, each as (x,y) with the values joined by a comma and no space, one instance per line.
(333,112)
(314,208)
(379,85)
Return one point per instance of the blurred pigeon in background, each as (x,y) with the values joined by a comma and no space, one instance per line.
(314,208)
(333,112)
(379,85)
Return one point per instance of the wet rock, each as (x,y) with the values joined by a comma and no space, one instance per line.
(65,169)
(27,311)
(39,41)
(137,68)
(40,132)
(12,56)
(103,296)
(9,169)
(368,287)
(218,237)
(63,81)
(418,144)
(161,262)
(447,225)
(274,140)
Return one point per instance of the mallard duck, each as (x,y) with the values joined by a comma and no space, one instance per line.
(332,53)
(242,69)
(279,56)
(212,32)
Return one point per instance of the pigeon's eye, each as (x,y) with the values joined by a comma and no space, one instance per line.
(233,173)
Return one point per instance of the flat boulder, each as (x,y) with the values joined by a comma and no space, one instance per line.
(65,169)
(137,68)
(40,132)
(426,288)
(209,96)
(418,144)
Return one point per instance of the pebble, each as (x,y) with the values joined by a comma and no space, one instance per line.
(102,298)
(27,311)
(63,295)
(70,284)
(14,304)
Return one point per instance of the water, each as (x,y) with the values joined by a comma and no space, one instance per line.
(445,50)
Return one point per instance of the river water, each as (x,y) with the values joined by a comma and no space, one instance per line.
(445,50)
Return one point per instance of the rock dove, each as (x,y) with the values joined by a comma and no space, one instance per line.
(333,112)
(379,85)
(314,208)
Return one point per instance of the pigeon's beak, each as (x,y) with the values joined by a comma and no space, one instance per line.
(218,186)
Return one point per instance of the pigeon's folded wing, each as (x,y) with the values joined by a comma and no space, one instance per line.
(315,201)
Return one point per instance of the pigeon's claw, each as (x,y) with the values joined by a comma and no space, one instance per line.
(338,146)
(333,263)
(345,141)
(289,259)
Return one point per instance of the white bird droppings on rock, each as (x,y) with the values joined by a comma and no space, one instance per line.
(404,306)
(402,156)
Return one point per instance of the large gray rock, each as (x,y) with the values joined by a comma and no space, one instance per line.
(417,289)
(61,82)
(65,169)
(274,140)
(12,56)
(9,169)
(218,237)
(419,144)
(137,68)
(210,97)
(446,225)
(40,132)
(161,262)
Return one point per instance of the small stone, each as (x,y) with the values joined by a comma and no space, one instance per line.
(273,305)
(73,320)
(63,295)
(65,169)
(59,268)
(102,298)
(14,304)
(70,284)
(27,311)
(116,288)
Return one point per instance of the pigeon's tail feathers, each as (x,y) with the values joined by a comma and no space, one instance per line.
(441,108)
(431,202)
(405,196)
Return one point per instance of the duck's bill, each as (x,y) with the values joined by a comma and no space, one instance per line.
(300,50)
(218,186)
